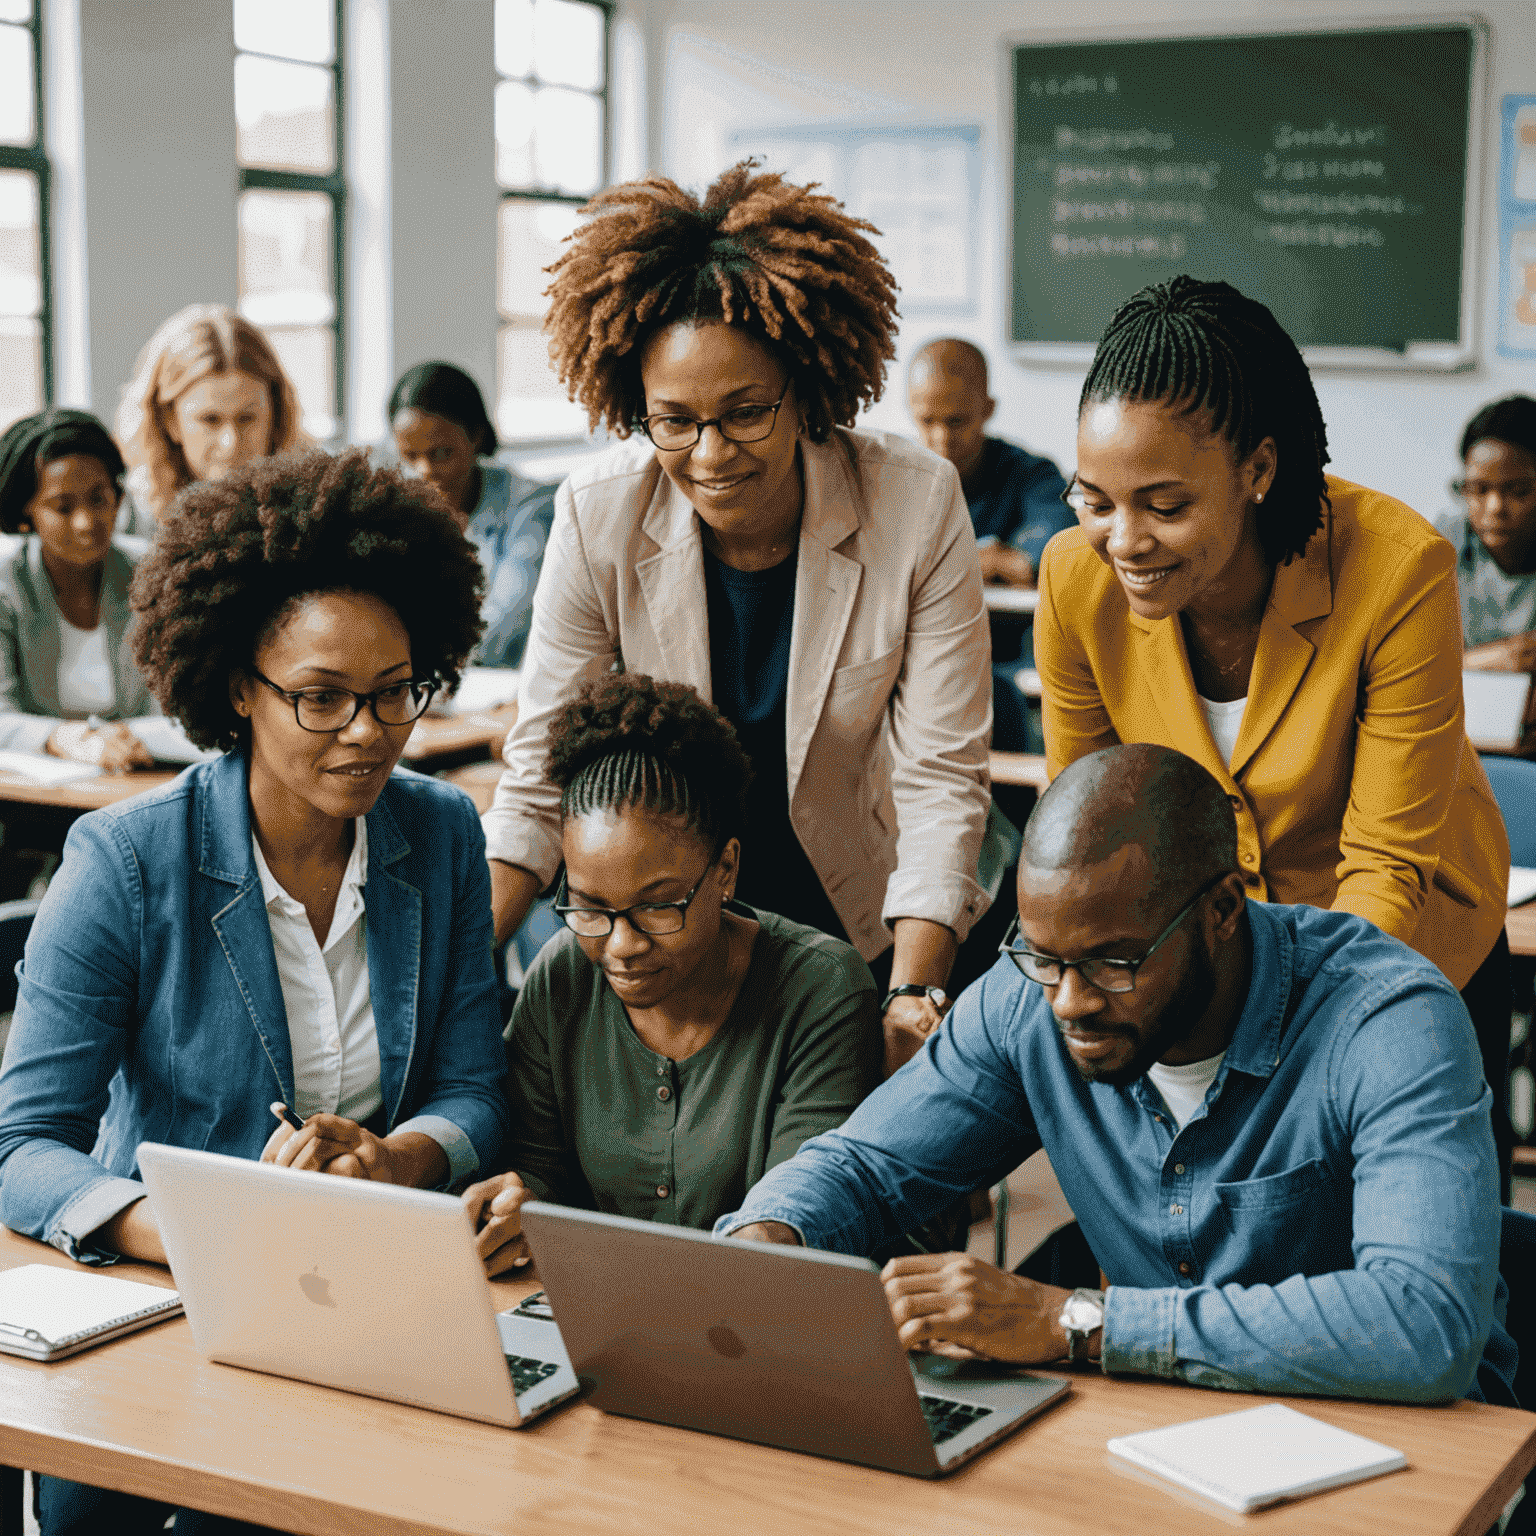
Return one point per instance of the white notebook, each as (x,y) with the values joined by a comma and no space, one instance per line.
(1258,1456)
(47,1313)
(43,769)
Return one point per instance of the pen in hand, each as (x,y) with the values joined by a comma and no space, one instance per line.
(287,1116)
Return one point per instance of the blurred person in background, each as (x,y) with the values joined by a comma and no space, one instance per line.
(443,436)
(208,395)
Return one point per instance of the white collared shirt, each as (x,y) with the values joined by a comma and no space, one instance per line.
(325,992)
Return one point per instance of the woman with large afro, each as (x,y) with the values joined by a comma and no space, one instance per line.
(818,584)
(290,924)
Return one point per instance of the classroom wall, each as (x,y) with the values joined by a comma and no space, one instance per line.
(729,67)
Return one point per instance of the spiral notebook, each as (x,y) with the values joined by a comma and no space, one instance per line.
(48,1313)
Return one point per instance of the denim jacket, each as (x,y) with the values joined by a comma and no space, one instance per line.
(150,1007)
(1326,1222)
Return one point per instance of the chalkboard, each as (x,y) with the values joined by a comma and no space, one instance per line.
(1325,173)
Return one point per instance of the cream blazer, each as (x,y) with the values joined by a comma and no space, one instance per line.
(890,683)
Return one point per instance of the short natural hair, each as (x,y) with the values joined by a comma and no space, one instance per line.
(1511,420)
(57,433)
(786,264)
(197,341)
(1202,346)
(629,741)
(232,556)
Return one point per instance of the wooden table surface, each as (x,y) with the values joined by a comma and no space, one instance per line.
(146,1413)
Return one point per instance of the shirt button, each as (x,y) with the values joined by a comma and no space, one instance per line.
(661,1070)
(663,1093)
(1178,1167)
(1184,1267)
(1250,857)
(662,1191)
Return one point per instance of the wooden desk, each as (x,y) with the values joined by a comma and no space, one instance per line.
(83,794)
(478,781)
(147,1414)
(439,741)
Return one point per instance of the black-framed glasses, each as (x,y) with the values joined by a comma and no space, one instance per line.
(1074,496)
(740,424)
(1481,490)
(324,709)
(1101,971)
(652,917)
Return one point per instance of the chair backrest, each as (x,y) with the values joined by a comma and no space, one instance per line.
(15,924)
(1514,787)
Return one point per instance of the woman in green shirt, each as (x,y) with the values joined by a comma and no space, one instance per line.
(673,1044)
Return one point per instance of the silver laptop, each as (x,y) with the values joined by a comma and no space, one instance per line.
(368,1287)
(785,1346)
(1496,705)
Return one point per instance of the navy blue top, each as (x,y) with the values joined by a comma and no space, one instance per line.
(751,620)
(1019,500)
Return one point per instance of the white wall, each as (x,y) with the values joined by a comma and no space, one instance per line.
(730,66)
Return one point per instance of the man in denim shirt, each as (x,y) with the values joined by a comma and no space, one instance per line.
(1270,1121)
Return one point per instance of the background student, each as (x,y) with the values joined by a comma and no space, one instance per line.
(818,584)
(443,436)
(674,1044)
(1494,534)
(208,396)
(64,578)
(1285,628)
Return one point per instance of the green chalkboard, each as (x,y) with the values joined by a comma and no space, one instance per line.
(1324,173)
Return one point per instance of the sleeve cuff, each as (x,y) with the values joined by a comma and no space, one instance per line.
(1138,1332)
(944,897)
(87,1213)
(463,1160)
(732,1223)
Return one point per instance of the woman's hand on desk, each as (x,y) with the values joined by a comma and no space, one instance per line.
(333,1144)
(114,747)
(1516,654)
(494,1205)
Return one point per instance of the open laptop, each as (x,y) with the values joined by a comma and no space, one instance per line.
(785,1346)
(1496,707)
(368,1287)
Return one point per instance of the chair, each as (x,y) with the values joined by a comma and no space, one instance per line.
(1514,787)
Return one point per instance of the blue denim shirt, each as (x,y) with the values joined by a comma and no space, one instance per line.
(509,529)
(1326,1222)
(150,1007)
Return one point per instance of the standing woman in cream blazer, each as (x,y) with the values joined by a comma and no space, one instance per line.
(819,585)
(1297,635)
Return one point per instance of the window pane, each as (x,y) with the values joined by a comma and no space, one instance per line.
(284,116)
(568,141)
(514,37)
(308,356)
(568,44)
(514,135)
(290,29)
(285,258)
(530,239)
(21,289)
(530,401)
(18,121)
(21,369)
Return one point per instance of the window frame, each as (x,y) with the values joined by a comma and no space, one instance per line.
(333,186)
(530,193)
(33,158)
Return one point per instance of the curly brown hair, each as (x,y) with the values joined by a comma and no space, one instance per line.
(785,263)
(627,740)
(231,556)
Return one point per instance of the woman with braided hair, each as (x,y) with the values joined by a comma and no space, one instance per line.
(1296,634)
(674,1043)
(820,585)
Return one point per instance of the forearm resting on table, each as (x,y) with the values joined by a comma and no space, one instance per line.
(513,890)
(924,952)
(134,1233)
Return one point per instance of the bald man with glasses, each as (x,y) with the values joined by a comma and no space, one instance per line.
(1270,1121)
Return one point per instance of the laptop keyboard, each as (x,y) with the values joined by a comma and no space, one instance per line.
(946,1418)
(527,1373)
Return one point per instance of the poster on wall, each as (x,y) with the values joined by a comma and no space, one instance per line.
(1517,228)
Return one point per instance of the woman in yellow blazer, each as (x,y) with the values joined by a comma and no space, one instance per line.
(1295,634)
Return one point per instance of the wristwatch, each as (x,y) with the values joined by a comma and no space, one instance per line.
(1081,1314)
(935,995)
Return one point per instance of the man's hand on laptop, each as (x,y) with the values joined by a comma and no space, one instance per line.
(494,1205)
(954,1304)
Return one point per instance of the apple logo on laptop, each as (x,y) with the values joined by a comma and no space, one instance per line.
(725,1342)
(317,1288)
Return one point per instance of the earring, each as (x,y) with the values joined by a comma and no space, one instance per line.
(1259,497)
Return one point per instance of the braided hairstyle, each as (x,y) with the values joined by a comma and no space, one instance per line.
(628,741)
(784,263)
(1203,346)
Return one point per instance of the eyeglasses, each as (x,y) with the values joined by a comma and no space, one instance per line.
(1481,490)
(741,424)
(1108,975)
(652,917)
(1074,497)
(333,709)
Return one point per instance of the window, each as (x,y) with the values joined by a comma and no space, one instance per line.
(26,319)
(551,156)
(288,121)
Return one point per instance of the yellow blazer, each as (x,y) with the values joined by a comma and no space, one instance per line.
(1353,781)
